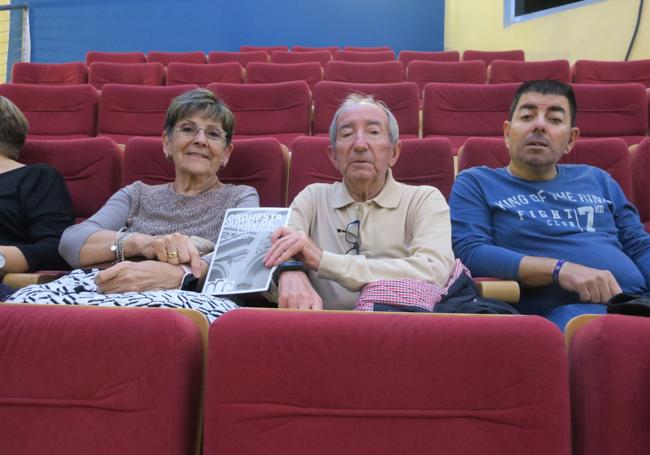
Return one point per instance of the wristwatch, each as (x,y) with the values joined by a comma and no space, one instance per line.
(288,266)
(3,262)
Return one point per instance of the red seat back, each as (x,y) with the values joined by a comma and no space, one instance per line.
(203,74)
(610,386)
(49,73)
(281,110)
(640,165)
(265,73)
(90,167)
(364,72)
(135,110)
(267,49)
(258,162)
(115,57)
(612,110)
(617,72)
(99,380)
(401,98)
(321,57)
(56,112)
(505,71)
(359,56)
(181,57)
(280,382)
(243,58)
(489,56)
(331,49)
(102,73)
(609,154)
(422,162)
(368,49)
(407,57)
(422,72)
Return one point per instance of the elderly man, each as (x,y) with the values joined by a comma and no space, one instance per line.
(367,227)
(565,232)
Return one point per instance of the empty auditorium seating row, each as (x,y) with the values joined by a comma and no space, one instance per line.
(345,65)
(94,168)
(507,381)
(284,109)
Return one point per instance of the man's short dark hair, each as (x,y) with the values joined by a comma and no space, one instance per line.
(546,87)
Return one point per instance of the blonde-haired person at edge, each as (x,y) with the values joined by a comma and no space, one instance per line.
(155,222)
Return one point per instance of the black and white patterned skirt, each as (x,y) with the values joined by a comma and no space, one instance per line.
(79,288)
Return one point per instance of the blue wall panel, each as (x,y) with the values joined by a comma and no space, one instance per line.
(63,30)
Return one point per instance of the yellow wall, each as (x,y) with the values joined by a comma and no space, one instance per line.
(4,40)
(599,31)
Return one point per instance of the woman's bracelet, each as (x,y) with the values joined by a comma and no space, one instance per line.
(556,270)
(120,241)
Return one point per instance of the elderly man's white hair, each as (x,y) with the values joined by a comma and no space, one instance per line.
(359,98)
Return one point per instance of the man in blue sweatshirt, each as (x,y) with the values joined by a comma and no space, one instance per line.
(566,233)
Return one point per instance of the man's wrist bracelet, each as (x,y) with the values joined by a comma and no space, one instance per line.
(556,270)
(288,266)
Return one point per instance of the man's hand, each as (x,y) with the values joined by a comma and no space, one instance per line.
(172,248)
(593,285)
(139,277)
(289,243)
(295,291)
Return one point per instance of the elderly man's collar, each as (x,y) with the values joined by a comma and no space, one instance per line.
(388,197)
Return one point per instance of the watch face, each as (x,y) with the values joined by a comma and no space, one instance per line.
(2,262)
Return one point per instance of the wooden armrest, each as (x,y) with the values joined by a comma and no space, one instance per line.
(504,290)
(20,280)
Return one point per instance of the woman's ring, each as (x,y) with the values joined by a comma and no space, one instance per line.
(172,254)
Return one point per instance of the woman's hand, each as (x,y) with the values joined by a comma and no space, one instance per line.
(173,248)
(139,277)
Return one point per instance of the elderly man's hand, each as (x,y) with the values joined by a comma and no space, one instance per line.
(173,248)
(139,277)
(290,243)
(593,285)
(295,291)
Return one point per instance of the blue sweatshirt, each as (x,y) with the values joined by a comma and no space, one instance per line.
(581,215)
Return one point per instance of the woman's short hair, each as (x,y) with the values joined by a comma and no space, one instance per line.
(201,102)
(13,129)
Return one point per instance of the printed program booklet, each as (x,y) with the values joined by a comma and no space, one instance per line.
(244,240)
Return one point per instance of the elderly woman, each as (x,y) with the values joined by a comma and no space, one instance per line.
(35,205)
(162,224)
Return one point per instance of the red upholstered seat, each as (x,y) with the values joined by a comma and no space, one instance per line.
(421,162)
(265,73)
(115,57)
(603,72)
(504,71)
(243,58)
(612,110)
(267,49)
(102,73)
(365,72)
(640,165)
(359,56)
(135,110)
(407,57)
(321,382)
(402,99)
(489,56)
(203,74)
(422,72)
(182,57)
(459,111)
(321,57)
(98,380)
(609,154)
(331,49)
(610,386)
(49,73)
(56,112)
(260,163)
(91,168)
(281,110)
